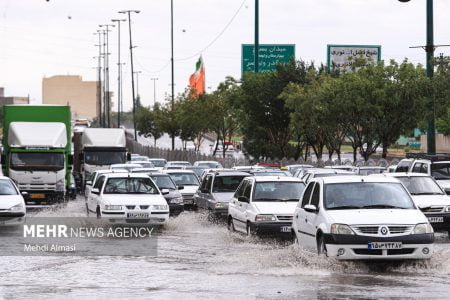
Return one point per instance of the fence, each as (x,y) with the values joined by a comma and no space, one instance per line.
(192,156)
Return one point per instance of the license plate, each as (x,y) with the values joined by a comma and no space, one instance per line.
(436,219)
(138,215)
(37,196)
(286,228)
(384,245)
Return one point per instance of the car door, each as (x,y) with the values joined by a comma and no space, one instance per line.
(199,195)
(311,218)
(207,195)
(93,199)
(243,206)
(301,218)
(234,202)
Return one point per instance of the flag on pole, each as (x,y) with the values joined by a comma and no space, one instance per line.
(197,80)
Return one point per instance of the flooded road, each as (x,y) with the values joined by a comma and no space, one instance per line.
(198,259)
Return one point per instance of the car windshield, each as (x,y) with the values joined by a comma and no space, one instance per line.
(128,185)
(210,165)
(365,172)
(226,184)
(440,171)
(37,161)
(158,163)
(278,191)
(164,182)
(7,188)
(99,158)
(366,195)
(185,178)
(421,185)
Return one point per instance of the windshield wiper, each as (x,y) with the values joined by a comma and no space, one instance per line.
(344,207)
(382,206)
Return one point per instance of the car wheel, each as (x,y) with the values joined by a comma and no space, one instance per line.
(231,224)
(321,247)
(250,232)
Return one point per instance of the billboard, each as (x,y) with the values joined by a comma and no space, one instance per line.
(343,56)
(269,56)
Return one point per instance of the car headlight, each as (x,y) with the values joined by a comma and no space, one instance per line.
(423,228)
(220,205)
(60,185)
(113,207)
(17,207)
(341,229)
(160,207)
(265,218)
(447,209)
(177,200)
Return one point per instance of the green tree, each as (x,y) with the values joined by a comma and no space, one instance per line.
(147,122)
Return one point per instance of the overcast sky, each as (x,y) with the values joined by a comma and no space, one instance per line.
(42,39)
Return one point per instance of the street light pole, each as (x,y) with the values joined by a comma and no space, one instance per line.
(107,96)
(119,73)
(99,79)
(429,49)
(132,70)
(171,60)
(154,89)
(256,36)
(137,86)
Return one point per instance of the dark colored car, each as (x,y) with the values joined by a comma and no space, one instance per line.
(173,198)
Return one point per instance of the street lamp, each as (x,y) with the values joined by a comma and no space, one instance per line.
(154,89)
(119,72)
(429,49)
(172,65)
(128,12)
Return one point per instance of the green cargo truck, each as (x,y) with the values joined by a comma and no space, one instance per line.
(37,150)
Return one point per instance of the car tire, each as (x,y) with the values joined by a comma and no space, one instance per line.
(230,224)
(250,232)
(321,246)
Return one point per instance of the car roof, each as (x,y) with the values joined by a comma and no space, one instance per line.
(179,171)
(275,178)
(128,175)
(158,159)
(230,173)
(111,171)
(404,174)
(371,168)
(355,178)
(327,171)
(141,161)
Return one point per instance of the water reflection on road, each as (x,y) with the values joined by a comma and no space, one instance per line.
(198,259)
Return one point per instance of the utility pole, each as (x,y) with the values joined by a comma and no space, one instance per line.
(99,79)
(104,79)
(137,82)
(171,60)
(119,71)
(107,96)
(256,36)
(132,71)
(154,89)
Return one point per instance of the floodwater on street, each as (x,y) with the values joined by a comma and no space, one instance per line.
(199,259)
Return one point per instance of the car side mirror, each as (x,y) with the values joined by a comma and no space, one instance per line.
(180,187)
(95,191)
(88,182)
(243,199)
(310,208)
(24,193)
(165,191)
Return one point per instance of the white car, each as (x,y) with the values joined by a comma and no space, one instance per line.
(12,205)
(128,199)
(159,163)
(178,163)
(188,184)
(357,217)
(264,205)
(429,197)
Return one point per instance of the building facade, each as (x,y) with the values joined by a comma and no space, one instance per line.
(72,90)
(12,100)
